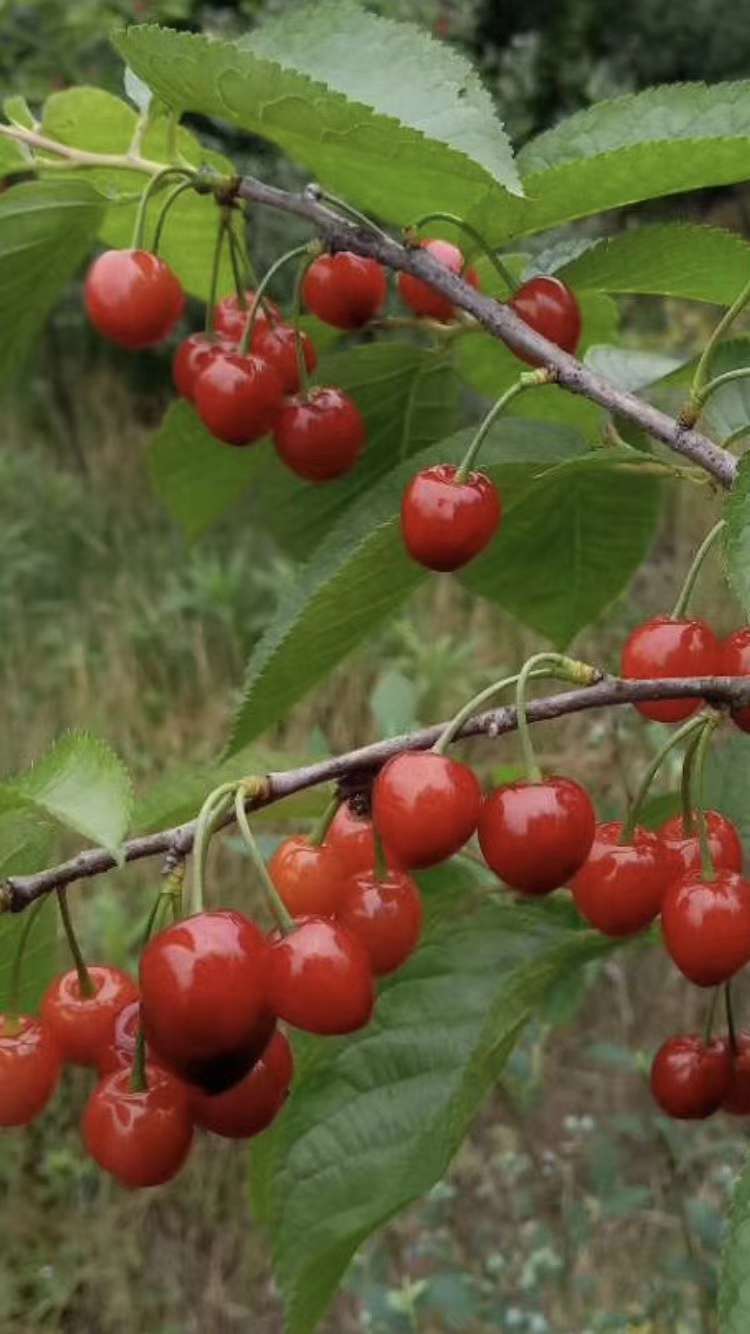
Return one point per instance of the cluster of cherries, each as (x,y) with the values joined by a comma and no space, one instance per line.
(669,646)
(244,377)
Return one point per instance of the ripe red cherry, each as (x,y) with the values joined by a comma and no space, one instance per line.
(238,398)
(29,1069)
(204,997)
(690,1078)
(420,296)
(663,647)
(385,916)
(345,290)
(320,978)
(83,1025)
(550,309)
(352,838)
(446,523)
(535,836)
(320,435)
(252,1104)
(191,357)
(230,318)
(706,926)
(735,661)
(425,807)
(620,887)
(277,344)
(737,1099)
(141,1138)
(684,851)
(308,876)
(133,297)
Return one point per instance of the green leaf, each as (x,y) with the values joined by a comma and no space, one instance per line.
(737,534)
(46,228)
(374,1121)
(24,848)
(81,784)
(727,412)
(630,369)
(408,132)
(734,1283)
(677,259)
(197,477)
(728,781)
(17,110)
(92,119)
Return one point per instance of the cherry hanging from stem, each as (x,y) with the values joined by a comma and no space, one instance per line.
(527,380)
(85,984)
(278,907)
(309,248)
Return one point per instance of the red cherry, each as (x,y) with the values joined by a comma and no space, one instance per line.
(252,1104)
(277,344)
(141,1138)
(735,661)
(345,290)
(238,398)
(385,916)
(204,997)
(308,876)
(684,850)
(320,435)
(706,926)
(737,1099)
(425,807)
(352,838)
(133,297)
(83,1025)
(230,318)
(29,1069)
(320,978)
(420,296)
(550,309)
(535,836)
(446,523)
(690,1078)
(620,887)
(663,647)
(191,357)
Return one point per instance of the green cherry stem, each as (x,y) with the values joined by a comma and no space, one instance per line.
(568,669)
(278,907)
(692,726)
(14,990)
(527,380)
(155,182)
(466,227)
(171,199)
(213,284)
(215,805)
(247,336)
(680,606)
(138,1075)
(710,723)
(320,830)
(730,1018)
(452,728)
(297,309)
(686,786)
(85,984)
(703,369)
(741,373)
(711,1015)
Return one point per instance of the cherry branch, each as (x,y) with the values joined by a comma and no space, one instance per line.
(357,767)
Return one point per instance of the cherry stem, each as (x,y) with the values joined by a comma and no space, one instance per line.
(686,787)
(680,606)
(709,1028)
(85,985)
(12,1008)
(497,264)
(687,729)
(710,723)
(568,669)
(317,192)
(730,1018)
(213,808)
(172,197)
(452,728)
(155,182)
(703,369)
(741,373)
(381,868)
(278,907)
(299,346)
(139,1076)
(247,336)
(320,830)
(527,380)
(213,286)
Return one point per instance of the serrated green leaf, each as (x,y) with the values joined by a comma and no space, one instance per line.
(401,135)
(95,120)
(373,1122)
(46,228)
(24,848)
(678,259)
(734,1279)
(737,534)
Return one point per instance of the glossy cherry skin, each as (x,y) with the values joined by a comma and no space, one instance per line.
(620,887)
(737,1099)
(385,916)
(133,297)
(550,309)
(29,1069)
(253,1104)
(238,398)
(141,1138)
(345,290)
(446,523)
(663,647)
(119,1054)
(690,1078)
(352,838)
(308,876)
(83,1025)
(230,317)
(320,435)
(320,978)
(277,344)
(684,851)
(425,300)
(706,926)
(191,357)
(204,998)
(735,661)
(535,836)
(425,807)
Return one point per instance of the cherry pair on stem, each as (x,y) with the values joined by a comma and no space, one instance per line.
(694,1076)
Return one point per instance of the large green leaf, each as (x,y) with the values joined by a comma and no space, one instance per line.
(677,259)
(24,848)
(737,534)
(95,120)
(734,1282)
(407,132)
(46,228)
(374,1121)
